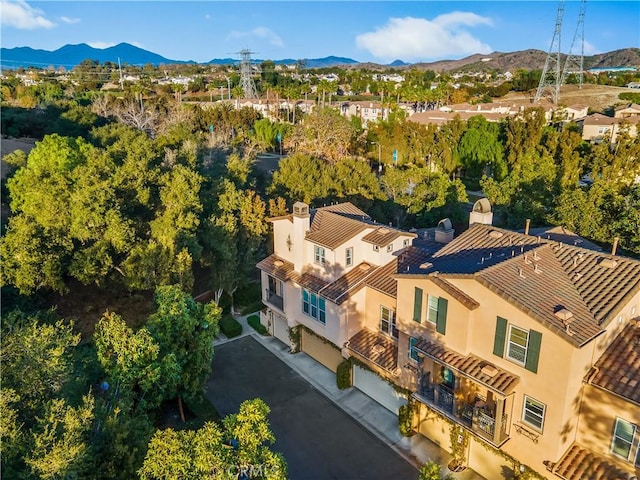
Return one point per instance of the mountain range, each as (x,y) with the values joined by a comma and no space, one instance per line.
(71,55)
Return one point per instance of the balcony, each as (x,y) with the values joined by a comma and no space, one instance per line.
(476,416)
(273,299)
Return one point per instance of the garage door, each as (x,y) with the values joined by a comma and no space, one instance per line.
(321,351)
(280,329)
(378,389)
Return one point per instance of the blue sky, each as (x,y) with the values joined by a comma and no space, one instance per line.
(378,31)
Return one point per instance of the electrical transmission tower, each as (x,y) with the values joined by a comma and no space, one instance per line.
(552,74)
(246,80)
(574,61)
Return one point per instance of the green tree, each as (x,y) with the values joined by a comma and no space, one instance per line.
(480,147)
(132,363)
(224,452)
(185,329)
(61,445)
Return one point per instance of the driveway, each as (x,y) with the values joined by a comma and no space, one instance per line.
(317,439)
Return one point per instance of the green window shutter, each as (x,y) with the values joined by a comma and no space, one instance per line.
(501,334)
(417,305)
(533,351)
(441,320)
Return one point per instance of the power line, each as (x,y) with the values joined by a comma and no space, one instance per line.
(551,73)
(573,60)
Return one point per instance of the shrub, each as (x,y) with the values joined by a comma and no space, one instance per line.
(405,420)
(254,321)
(230,326)
(252,307)
(433,471)
(343,375)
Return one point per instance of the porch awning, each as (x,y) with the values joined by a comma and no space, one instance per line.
(375,347)
(470,366)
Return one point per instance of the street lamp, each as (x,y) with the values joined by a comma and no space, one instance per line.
(379,155)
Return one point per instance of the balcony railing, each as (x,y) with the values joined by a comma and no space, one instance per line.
(477,418)
(274,299)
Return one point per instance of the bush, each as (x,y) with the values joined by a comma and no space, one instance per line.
(405,420)
(230,326)
(433,471)
(254,321)
(343,375)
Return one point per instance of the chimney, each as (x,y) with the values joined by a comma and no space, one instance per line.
(615,245)
(526,226)
(301,224)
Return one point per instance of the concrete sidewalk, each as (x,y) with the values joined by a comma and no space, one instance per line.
(381,422)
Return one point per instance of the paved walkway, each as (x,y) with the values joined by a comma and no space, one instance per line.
(377,419)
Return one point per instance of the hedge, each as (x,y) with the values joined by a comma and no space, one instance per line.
(230,326)
(254,321)
(343,374)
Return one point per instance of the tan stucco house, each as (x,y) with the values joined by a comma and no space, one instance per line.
(519,352)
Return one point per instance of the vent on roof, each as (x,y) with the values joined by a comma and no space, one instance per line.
(383,230)
(564,315)
(426,265)
(364,267)
(609,263)
(496,234)
(278,263)
(489,371)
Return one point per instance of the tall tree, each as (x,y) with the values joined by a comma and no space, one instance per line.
(185,329)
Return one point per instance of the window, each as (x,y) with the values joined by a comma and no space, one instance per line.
(376,248)
(432,312)
(522,346)
(348,256)
(638,456)
(417,305)
(623,438)
(533,413)
(390,247)
(388,321)
(413,352)
(517,346)
(405,242)
(313,306)
(318,254)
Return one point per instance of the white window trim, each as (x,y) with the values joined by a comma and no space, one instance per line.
(348,259)
(319,255)
(390,247)
(508,343)
(376,248)
(614,436)
(435,320)
(637,459)
(405,242)
(391,321)
(524,409)
(317,306)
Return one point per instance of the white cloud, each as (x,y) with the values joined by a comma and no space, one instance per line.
(22,16)
(70,20)
(589,49)
(414,39)
(101,45)
(260,33)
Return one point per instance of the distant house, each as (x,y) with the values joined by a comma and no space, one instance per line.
(597,127)
(626,111)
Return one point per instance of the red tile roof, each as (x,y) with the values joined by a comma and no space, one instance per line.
(347,284)
(540,276)
(618,369)
(579,463)
(470,366)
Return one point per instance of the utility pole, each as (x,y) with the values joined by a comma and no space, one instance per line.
(246,79)
(575,60)
(552,74)
(120,69)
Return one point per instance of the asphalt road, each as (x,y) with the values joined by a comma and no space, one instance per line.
(317,439)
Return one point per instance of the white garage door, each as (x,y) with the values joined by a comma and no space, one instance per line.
(281,329)
(375,387)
